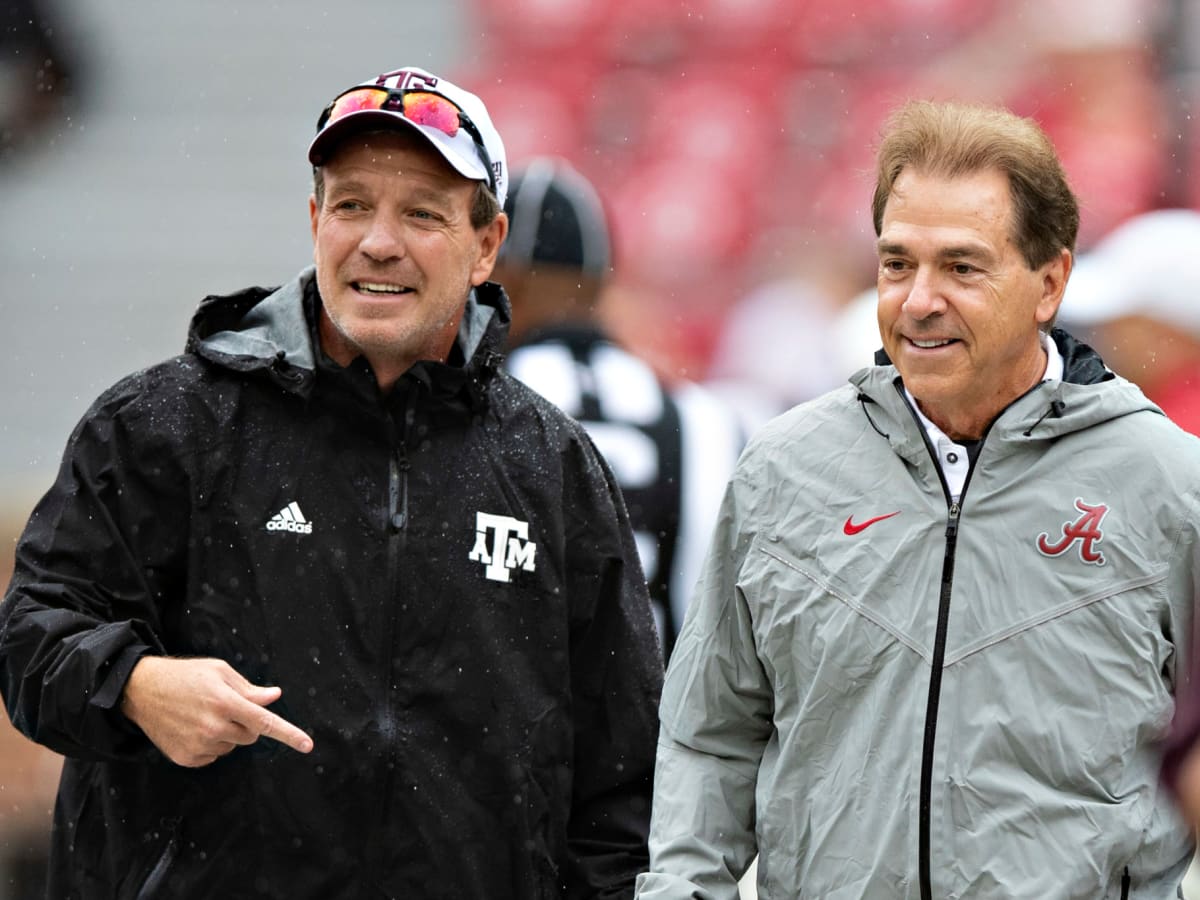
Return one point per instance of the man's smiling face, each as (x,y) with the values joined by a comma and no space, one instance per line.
(395,251)
(959,308)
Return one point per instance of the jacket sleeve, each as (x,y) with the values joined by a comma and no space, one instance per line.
(716,718)
(616,679)
(99,551)
(1183,738)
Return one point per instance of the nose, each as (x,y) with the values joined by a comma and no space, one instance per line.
(382,239)
(924,297)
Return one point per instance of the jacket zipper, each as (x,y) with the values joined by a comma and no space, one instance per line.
(397,532)
(398,467)
(929,742)
(935,696)
(925,802)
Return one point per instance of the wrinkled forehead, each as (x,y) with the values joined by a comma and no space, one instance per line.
(977,202)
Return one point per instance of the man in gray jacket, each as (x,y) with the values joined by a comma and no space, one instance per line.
(942,623)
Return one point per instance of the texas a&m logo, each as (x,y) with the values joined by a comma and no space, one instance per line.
(408,80)
(510,546)
(1085,529)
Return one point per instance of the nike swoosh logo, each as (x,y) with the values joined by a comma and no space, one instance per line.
(851,528)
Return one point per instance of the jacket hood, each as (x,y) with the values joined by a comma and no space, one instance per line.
(267,331)
(1088,395)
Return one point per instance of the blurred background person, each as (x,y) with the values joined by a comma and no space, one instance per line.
(40,72)
(1136,297)
(774,349)
(670,446)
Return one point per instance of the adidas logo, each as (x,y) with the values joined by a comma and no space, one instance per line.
(290,519)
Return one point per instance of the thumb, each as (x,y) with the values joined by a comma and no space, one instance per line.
(258,694)
(261,695)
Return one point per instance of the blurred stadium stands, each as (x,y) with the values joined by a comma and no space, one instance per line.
(722,130)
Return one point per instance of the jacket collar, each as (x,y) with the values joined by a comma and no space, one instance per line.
(271,332)
(1081,364)
(1088,394)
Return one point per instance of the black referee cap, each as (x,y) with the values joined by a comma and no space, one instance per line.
(555,217)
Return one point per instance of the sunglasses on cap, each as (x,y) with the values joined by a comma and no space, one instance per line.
(421,107)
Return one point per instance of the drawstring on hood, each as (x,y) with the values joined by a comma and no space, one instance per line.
(1057,408)
(489,364)
(864,399)
(1082,367)
(284,372)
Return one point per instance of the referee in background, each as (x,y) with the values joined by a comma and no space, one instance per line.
(671,446)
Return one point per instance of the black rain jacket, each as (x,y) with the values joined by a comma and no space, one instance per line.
(442,580)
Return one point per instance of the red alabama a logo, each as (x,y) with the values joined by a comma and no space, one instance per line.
(1085,529)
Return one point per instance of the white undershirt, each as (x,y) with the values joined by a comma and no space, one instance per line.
(952,457)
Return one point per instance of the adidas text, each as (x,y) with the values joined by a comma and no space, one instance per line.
(290,519)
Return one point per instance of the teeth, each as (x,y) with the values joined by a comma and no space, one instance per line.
(371,287)
(927,345)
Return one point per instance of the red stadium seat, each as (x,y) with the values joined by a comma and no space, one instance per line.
(541,26)
(676,218)
(882,32)
(760,27)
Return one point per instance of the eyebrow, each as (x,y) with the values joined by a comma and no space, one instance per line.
(346,186)
(957,251)
(423,195)
(431,196)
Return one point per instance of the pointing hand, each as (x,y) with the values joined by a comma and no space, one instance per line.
(197,710)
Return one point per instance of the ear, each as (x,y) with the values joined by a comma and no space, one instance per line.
(312,218)
(1054,284)
(490,237)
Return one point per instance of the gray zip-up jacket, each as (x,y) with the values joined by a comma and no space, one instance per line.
(885,694)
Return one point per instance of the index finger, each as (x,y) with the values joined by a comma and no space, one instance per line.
(280,729)
(267,724)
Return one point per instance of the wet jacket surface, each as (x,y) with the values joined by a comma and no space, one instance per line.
(888,695)
(442,581)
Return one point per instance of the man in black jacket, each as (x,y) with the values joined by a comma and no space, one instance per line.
(335,524)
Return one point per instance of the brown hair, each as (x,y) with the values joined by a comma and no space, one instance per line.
(952,140)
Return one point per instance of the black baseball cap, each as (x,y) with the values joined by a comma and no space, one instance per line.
(556,218)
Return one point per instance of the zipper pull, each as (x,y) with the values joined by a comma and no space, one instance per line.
(399,515)
(952,520)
